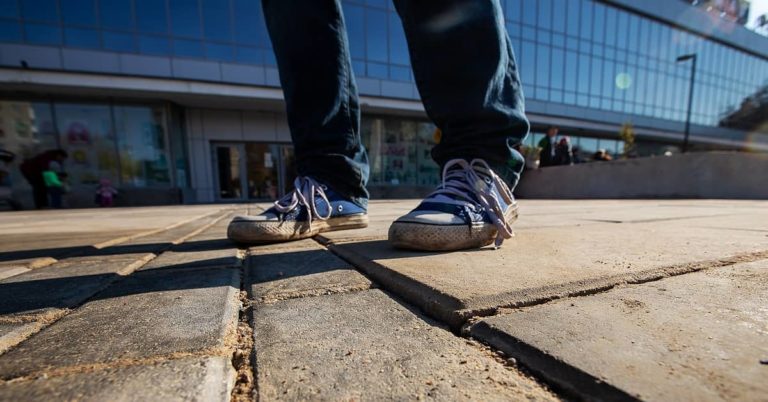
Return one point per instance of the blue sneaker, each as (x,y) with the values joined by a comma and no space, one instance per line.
(311,208)
(472,208)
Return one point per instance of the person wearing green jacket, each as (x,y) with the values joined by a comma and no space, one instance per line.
(54,185)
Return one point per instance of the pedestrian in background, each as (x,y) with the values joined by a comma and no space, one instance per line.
(32,169)
(563,152)
(547,146)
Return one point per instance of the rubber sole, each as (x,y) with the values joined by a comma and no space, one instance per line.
(256,232)
(426,237)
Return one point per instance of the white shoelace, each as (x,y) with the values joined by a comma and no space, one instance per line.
(462,180)
(305,189)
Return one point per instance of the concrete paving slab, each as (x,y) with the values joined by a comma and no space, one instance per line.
(365,345)
(197,379)
(209,248)
(544,263)
(9,271)
(64,284)
(291,270)
(59,233)
(13,333)
(146,315)
(697,337)
(213,253)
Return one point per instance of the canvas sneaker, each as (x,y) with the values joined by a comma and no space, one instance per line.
(309,209)
(472,208)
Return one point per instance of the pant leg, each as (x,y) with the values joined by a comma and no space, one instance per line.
(310,43)
(466,74)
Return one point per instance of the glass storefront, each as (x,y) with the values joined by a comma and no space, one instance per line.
(252,171)
(399,151)
(126,144)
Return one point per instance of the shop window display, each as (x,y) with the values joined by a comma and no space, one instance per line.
(85,132)
(399,152)
(141,141)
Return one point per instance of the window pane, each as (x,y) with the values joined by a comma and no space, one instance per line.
(185,18)
(88,38)
(250,55)
(78,12)
(529,12)
(543,66)
(10,9)
(151,16)
(39,10)
(118,41)
(42,34)
(586,20)
(143,151)
(86,134)
(545,14)
(354,18)
(216,20)
(572,26)
(557,69)
(398,47)
(377,70)
(187,48)
(116,14)
(10,31)
(249,23)
(376,26)
(558,16)
(156,45)
(216,51)
(513,10)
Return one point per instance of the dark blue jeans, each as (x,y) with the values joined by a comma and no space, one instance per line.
(464,68)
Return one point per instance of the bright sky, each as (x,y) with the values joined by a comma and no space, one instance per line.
(758,8)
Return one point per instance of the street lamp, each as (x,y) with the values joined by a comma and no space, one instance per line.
(682,58)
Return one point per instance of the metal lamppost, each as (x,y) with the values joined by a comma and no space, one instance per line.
(682,58)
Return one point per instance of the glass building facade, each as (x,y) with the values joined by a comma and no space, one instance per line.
(587,55)
(576,52)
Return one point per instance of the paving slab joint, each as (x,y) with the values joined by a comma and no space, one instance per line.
(548,369)
(243,354)
(95,367)
(48,318)
(123,239)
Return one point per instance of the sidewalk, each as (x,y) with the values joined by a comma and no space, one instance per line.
(652,300)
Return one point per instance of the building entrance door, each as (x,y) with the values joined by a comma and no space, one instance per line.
(252,171)
(229,165)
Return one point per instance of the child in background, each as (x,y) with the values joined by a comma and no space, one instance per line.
(105,193)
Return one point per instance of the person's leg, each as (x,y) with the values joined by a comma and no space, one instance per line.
(468,80)
(467,77)
(310,45)
(56,196)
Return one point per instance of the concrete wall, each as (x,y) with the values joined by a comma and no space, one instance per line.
(695,175)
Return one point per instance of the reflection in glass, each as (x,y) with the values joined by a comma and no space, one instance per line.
(142,145)
(86,134)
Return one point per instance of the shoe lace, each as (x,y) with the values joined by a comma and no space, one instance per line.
(470,184)
(303,194)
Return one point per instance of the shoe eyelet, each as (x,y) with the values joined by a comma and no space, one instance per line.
(487,180)
(340,208)
(324,187)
